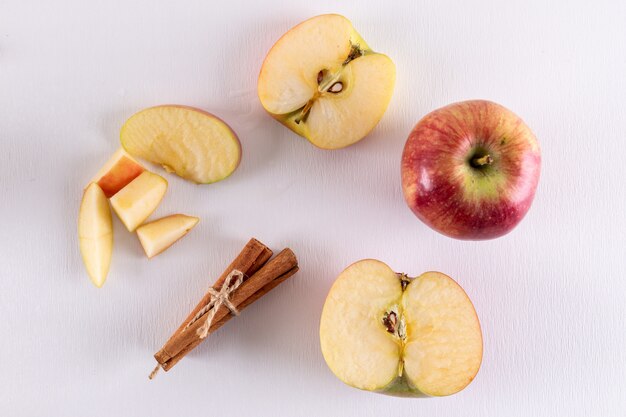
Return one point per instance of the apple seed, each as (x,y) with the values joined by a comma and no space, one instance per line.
(389,321)
(336,87)
(320,77)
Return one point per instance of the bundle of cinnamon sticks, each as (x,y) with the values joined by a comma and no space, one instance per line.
(260,275)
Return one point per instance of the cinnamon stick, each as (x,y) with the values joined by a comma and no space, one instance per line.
(216,325)
(250,259)
(258,283)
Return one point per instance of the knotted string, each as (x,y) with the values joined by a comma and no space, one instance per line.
(218,299)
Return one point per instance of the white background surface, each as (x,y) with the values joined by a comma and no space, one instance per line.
(550,295)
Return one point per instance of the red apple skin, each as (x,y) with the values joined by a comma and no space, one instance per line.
(453,197)
(124,171)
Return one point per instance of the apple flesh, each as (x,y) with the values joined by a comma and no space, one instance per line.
(95,233)
(384,332)
(192,143)
(160,234)
(135,202)
(323,81)
(470,170)
(119,170)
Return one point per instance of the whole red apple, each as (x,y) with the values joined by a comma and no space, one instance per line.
(470,170)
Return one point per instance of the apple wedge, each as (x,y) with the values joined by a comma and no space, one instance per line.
(192,143)
(119,170)
(135,202)
(323,81)
(95,233)
(160,234)
(382,331)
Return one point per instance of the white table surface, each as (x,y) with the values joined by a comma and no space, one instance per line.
(550,295)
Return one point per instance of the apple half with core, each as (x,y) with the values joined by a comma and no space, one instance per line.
(160,234)
(95,233)
(470,170)
(385,332)
(323,81)
(190,142)
(135,202)
(119,170)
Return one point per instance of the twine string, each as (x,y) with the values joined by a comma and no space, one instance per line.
(155,371)
(218,299)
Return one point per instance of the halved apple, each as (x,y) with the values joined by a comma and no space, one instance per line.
(119,170)
(382,331)
(192,143)
(95,233)
(323,81)
(160,234)
(135,202)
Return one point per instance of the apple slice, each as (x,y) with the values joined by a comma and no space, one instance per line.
(323,81)
(194,144)
(135,202)
(160,234)
(119,170)
(95,233)
(382,331)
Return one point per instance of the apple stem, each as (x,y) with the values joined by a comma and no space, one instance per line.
(404,280)
(355,52)
(481,161)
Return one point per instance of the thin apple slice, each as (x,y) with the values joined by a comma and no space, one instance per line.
(160,234)
(119,170)
(135,202)
(95,233)
(194,144)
